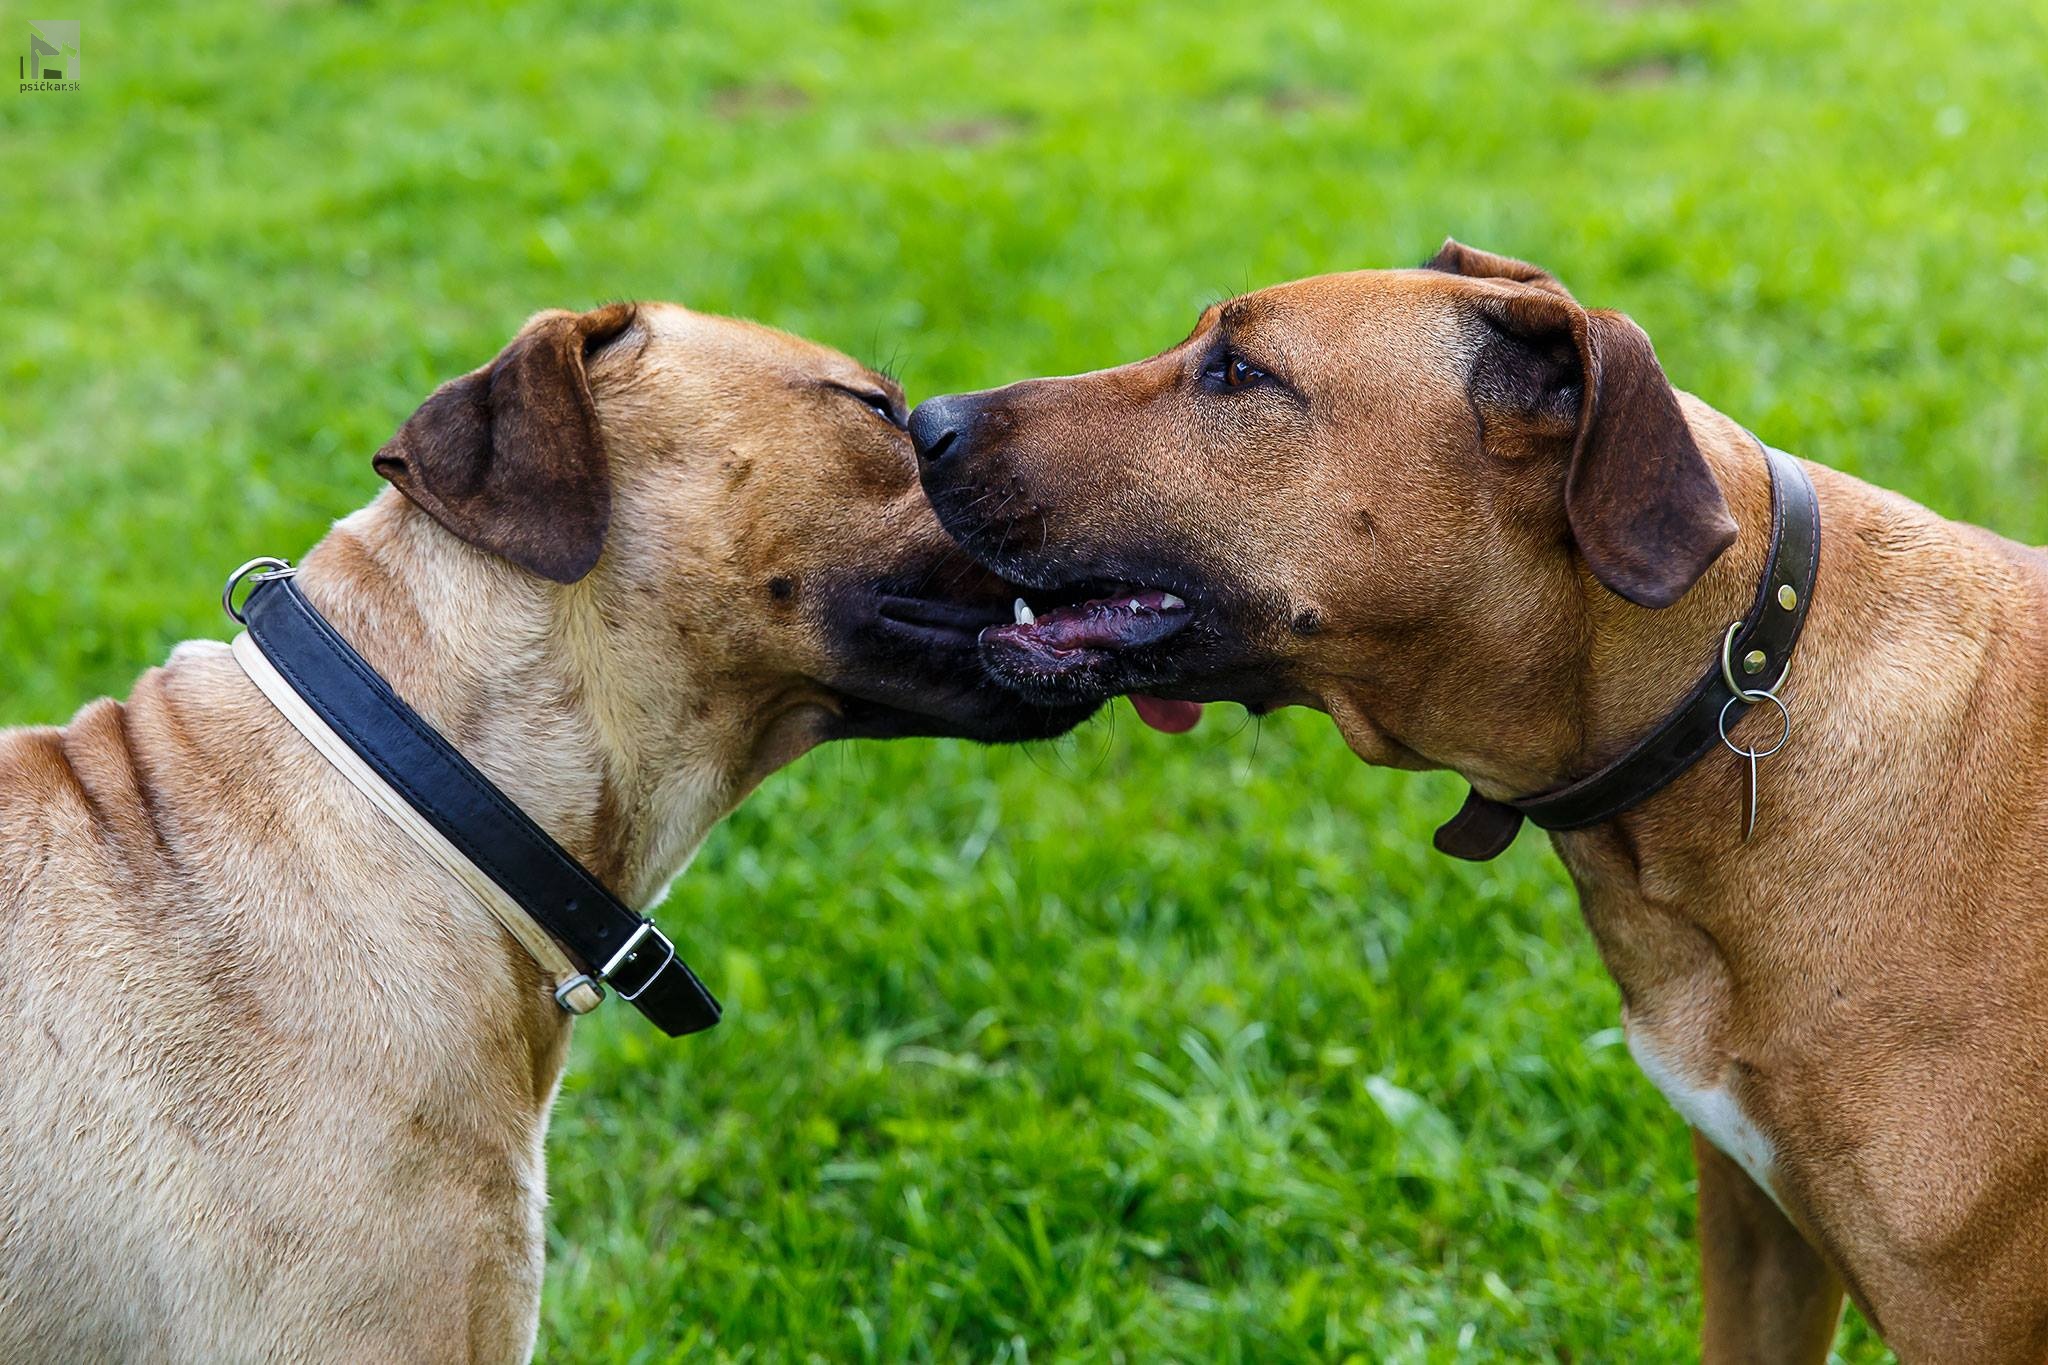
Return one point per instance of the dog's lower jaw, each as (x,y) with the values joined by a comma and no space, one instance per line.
(1364,735)
(1036,687)
(785,734)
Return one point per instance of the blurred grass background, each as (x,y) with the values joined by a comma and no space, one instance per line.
(1124,1049)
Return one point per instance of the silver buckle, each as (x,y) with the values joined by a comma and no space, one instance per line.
(565,994)
(646,928)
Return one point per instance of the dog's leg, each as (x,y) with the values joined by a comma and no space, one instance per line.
(1769,1297)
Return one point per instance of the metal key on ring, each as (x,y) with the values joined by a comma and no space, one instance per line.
(1750,696)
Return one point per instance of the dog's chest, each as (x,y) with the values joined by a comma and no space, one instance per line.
(1710,1109)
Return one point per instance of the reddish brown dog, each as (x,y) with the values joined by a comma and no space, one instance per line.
(1389,495)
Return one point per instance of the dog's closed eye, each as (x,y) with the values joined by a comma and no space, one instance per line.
(877,402)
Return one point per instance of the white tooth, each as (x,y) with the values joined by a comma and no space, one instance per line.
(1168,602)
(1025,616)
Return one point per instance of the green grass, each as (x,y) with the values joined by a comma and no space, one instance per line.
(1126,1048)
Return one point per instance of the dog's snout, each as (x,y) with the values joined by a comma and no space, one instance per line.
(936,426)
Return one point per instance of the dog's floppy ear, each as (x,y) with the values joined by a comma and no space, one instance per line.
(1643,506)
(510,458)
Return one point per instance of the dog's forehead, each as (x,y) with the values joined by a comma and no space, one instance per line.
(1327,316)
(680,335)
(1344,297)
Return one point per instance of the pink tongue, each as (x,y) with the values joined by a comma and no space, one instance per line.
(1167,717)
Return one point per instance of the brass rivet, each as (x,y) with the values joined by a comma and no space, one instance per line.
(1787,598)
(1753,662)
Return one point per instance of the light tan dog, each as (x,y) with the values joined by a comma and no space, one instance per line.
(1390,496)
(273,1087)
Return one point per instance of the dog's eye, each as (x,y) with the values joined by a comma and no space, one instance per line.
(877,403)
(1232,371)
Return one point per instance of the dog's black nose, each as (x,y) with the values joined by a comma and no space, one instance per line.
(935,427)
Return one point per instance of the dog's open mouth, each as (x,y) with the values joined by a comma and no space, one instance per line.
(1070,641)
(906,657)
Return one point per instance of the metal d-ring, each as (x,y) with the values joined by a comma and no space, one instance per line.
(1728,668)
(270,567)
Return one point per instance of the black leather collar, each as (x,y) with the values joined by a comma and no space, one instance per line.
(1484,828)
(611,943)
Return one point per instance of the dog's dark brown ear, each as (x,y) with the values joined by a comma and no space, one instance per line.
(510,458)
(1643,506)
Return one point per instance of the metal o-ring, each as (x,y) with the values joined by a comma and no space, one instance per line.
(1752,697)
